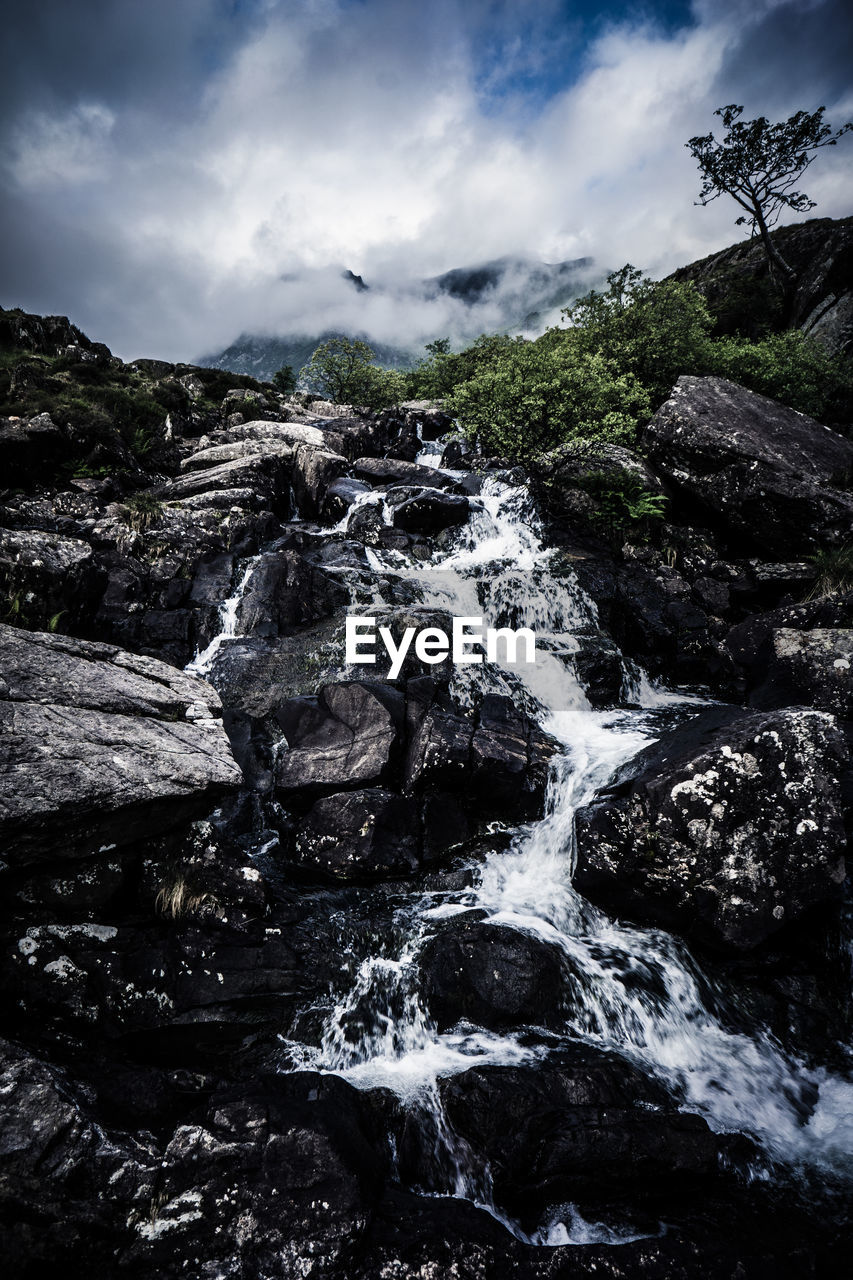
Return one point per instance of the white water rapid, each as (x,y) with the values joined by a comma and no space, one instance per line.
(634,991)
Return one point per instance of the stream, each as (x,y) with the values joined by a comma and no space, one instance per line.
(635,992)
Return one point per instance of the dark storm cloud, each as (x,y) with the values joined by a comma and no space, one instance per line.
(175,174)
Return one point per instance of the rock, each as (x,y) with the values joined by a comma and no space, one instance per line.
(770,476)
(266,474)
(287,591)
(426,418)
(812,668)
(104,746)
(499,759)
(580,1125)
(66,1185)
(726,829)
(30,446)
(492,975)
(278,1178)
(429,510)
(340,496)
(574,481)
(359,835)
(384,471)
(204,459)
(366,523)
(313,471)
(345,737)
(44,576)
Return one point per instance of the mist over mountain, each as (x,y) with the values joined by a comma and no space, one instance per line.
(397,317)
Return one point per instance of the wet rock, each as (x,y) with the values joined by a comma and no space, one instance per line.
(498,758)
(359,835)
(726,829)
(340,496)
(103,746)
(347,736)
(580,1125)
(492,975)
(367,524)
(287,591)
(771,476)
(384,471)
(429,511)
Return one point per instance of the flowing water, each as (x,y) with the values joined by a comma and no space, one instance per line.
(634,991)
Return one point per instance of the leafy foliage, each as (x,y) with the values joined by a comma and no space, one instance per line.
(284,380)
(536,395)
(834,572)
(342,370)
(790,367)
(654,330)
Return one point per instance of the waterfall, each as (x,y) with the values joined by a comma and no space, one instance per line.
(202,663)
(634,991)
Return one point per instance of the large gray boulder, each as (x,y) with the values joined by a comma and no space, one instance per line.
(776,480)
(726,829)
(100,748)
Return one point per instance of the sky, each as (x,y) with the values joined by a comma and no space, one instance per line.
(174,173)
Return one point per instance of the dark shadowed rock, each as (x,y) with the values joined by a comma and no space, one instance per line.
(277,1178)
(341,494)
(491,974)
(728,828)
(771,476)
(581,1123)
(287,591)
(359,835)
(100,746)
(811,668)
(45,576)
(345,737)
(429,511)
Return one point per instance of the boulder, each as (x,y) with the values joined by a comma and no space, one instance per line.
(287,591)
(45,576)
(813,668)
(340,496)
(313,471)
(30,446)
(428,510)
(277,1178)
(581,1124)
(385,471)
(726,829)
(266,474)
(214,455)
(345,737)
(491,974)
(773,478)
(101,747)
(359,835)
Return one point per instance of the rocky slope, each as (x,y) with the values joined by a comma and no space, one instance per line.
(742,297)
(286,944)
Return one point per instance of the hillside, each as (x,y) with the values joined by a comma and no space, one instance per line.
(742,296)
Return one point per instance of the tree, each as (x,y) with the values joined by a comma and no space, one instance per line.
(284,380)
(759,164)
(342,370)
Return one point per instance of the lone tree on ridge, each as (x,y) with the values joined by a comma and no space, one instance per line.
(758,164)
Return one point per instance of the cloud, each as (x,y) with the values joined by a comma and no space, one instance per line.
(177,175)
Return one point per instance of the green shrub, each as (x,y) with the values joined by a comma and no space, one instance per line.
(533,396)
(342,370)
(789,367)
(655,330)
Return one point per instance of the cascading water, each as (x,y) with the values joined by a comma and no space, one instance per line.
(634,991)
(203,661)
